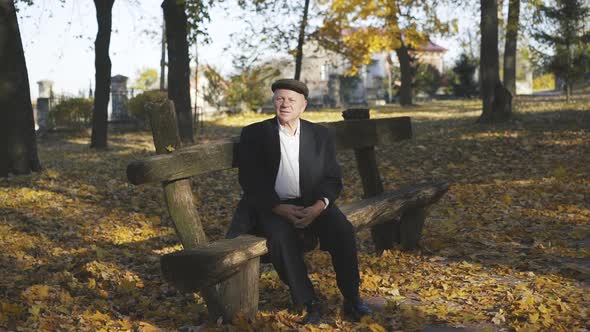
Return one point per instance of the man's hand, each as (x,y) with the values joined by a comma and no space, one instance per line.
(307,215)
(288,211)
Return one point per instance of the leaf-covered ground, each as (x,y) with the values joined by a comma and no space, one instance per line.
(507,248)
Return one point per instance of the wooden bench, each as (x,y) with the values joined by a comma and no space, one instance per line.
(226,272)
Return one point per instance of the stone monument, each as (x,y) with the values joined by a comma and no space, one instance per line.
(119,98)
(44,104)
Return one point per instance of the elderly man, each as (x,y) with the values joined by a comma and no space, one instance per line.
(291,179)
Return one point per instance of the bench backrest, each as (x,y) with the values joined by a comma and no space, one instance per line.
(205,158)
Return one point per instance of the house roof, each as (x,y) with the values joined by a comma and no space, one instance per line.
(432,47)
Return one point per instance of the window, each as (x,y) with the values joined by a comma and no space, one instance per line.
(326,71)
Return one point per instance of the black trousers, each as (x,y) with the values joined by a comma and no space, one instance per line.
(336,235)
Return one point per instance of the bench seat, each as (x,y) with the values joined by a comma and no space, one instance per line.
(207,265)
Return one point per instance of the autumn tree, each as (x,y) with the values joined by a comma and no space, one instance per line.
(18,142)
(146,79)
(289,32)
(184,22)
(359,28)
(102,65)
(563,27)
(496,100)
(179,66)
(510,46)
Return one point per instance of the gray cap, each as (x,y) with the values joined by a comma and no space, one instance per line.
(291,84)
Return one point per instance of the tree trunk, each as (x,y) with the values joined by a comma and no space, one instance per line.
(102,65)
(163,59)
(196,119)
(495,108)
(405,64)
(568,71)
(301,41)
(18,142)
(179,67)
(511,46)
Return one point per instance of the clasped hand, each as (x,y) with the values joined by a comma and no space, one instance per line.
(299,216)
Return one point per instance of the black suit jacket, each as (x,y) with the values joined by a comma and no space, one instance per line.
(259,157)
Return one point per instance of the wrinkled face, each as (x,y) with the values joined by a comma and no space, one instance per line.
(288,105)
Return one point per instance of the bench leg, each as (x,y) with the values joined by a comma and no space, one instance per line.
(385,235)
(411,224)
(238,293)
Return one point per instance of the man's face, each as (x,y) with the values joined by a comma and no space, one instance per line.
(288,105)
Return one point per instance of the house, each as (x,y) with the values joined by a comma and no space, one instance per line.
(324,73)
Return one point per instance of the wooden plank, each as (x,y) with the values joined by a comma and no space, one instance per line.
(383,234)
(387,206)
(411,224)
(205,158)
(178,194)
(183,163)
(191,270)
(237,294)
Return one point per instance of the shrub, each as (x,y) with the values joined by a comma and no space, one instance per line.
(465,86)
(74,113)
(138,105)
(249,90)
(427,79)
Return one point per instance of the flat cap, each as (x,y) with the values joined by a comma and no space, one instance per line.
(291,84)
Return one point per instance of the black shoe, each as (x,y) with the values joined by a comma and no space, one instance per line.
(355,309)
(313,312)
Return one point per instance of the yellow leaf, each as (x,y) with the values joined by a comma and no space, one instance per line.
(36,309)
(499,317)
(374,327)
(91,283)
(170,148)
(65,297)
(98,316)
(36,292)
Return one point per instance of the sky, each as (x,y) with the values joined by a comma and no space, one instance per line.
(58,41)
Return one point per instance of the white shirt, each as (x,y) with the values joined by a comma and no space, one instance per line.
(287,181)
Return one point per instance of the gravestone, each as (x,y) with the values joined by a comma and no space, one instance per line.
(43,104)
(45,88)
(334,97)
(119,98)
(42,117)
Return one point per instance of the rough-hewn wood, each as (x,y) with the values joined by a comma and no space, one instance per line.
(411,224)
(179,199)
(185,162)
(237,294)
(178,193)
(205,158)
(191,270)
(226,272)
(383,234)
(387,206)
